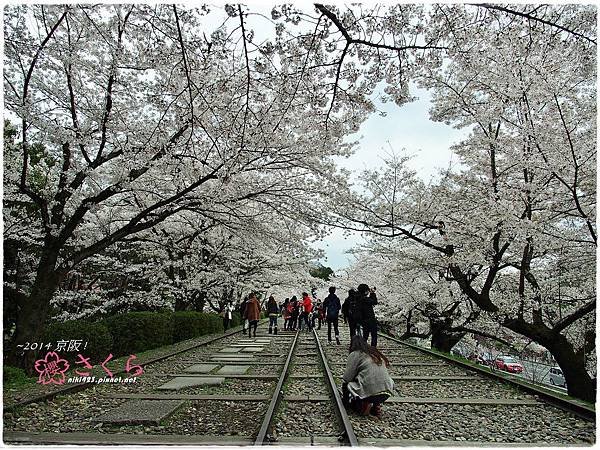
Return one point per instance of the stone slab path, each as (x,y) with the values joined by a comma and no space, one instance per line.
(186,382)
(140,412)
(252,349)
(201,368)
(233,370)
(230,350)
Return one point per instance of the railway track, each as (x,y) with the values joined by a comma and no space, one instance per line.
(53,391)
(440,401)
(229,390)
(281,389)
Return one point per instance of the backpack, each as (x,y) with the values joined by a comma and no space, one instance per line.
(331,305)
(354,309)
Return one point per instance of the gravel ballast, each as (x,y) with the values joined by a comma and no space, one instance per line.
(63,414)
(478,388)
(312,386)
(215,418)
(486,423)
(305,419)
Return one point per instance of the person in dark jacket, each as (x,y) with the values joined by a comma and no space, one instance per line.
(367,320)
(273,313)
(285,314)
(243,313)
(227,314)
(332,307)
(293,308)
(351,312)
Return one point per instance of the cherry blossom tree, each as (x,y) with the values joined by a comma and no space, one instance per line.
(514,224)
(145,113)
(133,117)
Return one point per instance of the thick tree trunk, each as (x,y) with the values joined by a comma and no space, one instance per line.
(31,320)
(33,313)
(579,382)
(199,300)
(444,341)
(181,303)
(442,338)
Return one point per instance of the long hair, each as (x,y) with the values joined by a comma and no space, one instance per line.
(358,343)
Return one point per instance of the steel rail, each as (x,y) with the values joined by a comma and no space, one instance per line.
(348,434)
(580,410)
(83,386)
(263,436)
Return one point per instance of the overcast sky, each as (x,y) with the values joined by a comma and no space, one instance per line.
(407,128)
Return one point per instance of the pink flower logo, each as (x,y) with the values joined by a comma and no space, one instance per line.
(51,369)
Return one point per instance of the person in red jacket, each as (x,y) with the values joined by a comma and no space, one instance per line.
(307,309)
(252,313)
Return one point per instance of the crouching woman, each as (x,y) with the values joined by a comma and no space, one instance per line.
(367,382)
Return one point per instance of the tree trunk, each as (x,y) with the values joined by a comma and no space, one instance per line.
(198,300)
(181,303)
(579,382)
(442,338)
(32,316)
(444,341)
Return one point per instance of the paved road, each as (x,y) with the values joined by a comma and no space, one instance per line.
(539,373)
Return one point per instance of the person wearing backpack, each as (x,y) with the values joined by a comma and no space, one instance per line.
(352,312)
(331,307)
(367,299)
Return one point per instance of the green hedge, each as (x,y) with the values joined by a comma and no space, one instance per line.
(138,331)
(97,335)
(236,319)
(189,324)
(134,332)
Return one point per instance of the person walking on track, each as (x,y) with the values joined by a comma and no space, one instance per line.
(273,312)
(367,320)
(227,315)
(252,314)
(243,313)
(293,308)
(307,309)
(285,314)
(352,312)
(331,307)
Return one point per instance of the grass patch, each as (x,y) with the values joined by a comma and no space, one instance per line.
(15,378)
